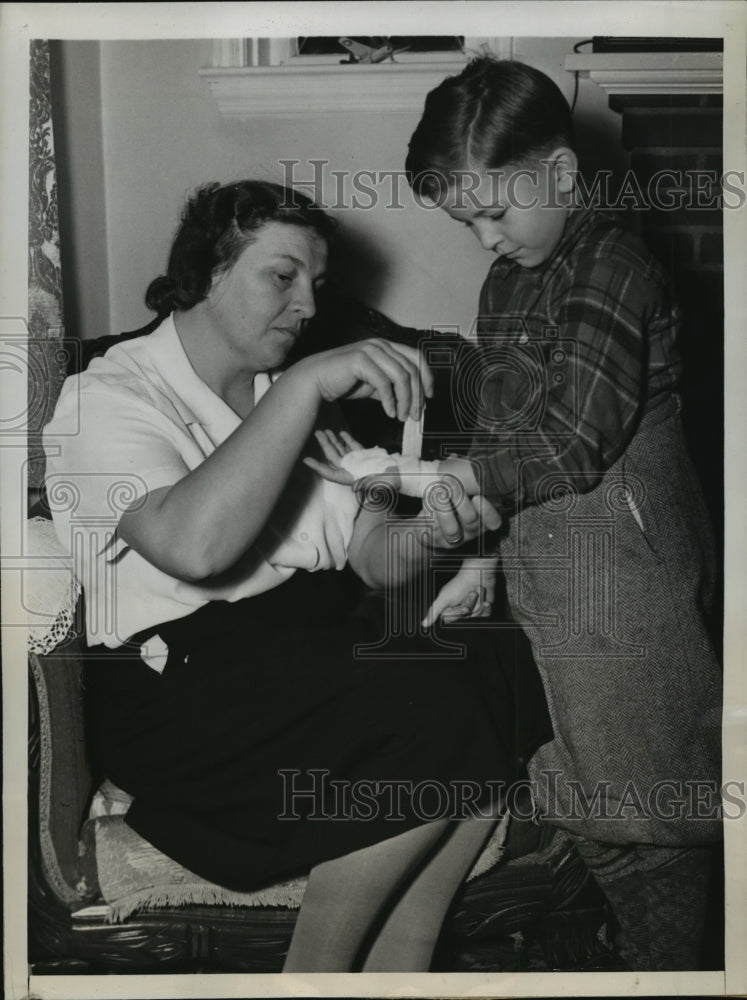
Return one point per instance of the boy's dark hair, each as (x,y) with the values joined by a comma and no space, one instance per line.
(494,113)
(216,226)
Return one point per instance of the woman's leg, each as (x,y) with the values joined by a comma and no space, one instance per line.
(344,898)
(406,940)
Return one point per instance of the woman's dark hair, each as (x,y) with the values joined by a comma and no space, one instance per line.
(494,113)
(217,224)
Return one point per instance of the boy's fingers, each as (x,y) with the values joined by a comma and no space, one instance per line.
(450,527)
(333,473)
(451,614)
(468,514)
(439,608)
(327,449)
(336,443)
(351,442)
(483,607)
(461,610)
(491,519)
(432,614)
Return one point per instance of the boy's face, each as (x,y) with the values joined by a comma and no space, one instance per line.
(517,212)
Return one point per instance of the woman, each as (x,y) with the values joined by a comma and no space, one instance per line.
(222,686)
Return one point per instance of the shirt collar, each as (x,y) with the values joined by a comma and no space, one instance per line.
(576,223)
(193,399)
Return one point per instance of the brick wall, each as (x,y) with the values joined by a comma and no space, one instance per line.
(675,146)
(672,138)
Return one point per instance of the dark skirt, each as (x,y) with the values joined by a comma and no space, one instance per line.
(267,745)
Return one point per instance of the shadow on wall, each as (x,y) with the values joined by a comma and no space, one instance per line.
(358,266)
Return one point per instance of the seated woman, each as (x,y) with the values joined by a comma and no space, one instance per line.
(222,685)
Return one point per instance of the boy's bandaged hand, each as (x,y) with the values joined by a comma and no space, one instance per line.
(346,461)
(415,475)
(451,516)
(334,448)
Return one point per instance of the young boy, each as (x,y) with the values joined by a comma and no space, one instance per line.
(606,547)
(607,551)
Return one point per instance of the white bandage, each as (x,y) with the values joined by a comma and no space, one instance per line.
(415,474)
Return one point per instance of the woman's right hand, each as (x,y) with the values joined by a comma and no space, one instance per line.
(395,374)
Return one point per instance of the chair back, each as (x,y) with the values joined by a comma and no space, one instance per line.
(60,780)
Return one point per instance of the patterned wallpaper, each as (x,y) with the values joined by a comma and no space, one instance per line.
(47,350)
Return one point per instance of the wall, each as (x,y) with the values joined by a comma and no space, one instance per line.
(75,71)
(162,136)
(683,134)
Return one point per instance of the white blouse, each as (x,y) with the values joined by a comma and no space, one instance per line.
(140,418)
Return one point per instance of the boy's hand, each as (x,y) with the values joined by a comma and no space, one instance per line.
(334,447)
(469,594)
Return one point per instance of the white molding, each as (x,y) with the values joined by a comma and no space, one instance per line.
(262,77)
(292,90)
(651,72)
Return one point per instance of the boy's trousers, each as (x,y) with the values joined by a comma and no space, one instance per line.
(613,588)
(660,898)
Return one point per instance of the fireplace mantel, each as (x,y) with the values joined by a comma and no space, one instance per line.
(255,78)
(289,91)
(651,72)
(302,88)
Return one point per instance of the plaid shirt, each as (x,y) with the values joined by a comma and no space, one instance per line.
(573,354)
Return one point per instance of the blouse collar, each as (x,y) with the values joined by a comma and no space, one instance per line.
(194,400)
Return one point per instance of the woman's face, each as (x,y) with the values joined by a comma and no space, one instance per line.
(259,305)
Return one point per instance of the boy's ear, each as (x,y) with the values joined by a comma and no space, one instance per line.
(565,164)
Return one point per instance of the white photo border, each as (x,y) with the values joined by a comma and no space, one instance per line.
(20,22)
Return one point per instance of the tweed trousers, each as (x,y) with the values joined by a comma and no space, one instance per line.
(613,589)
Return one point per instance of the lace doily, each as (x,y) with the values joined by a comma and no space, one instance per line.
(52,589)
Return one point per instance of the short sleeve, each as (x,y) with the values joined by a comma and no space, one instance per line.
(105,451)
